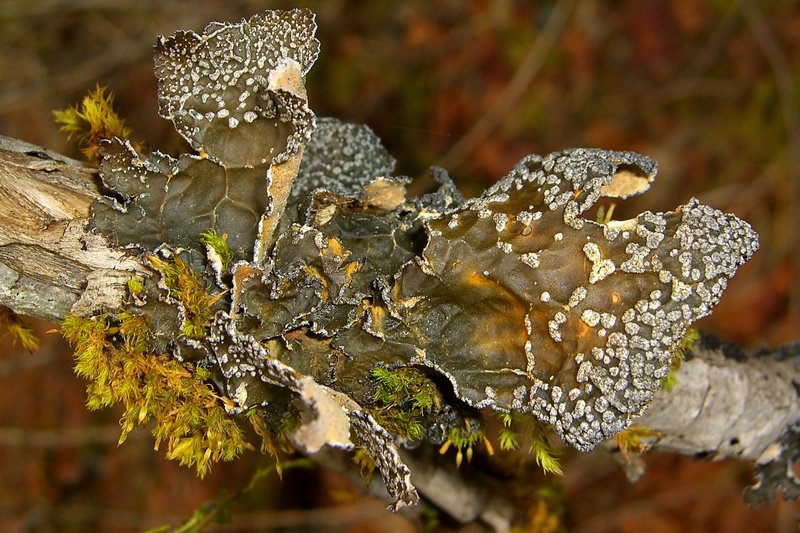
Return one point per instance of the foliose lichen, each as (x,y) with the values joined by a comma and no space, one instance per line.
(511,301)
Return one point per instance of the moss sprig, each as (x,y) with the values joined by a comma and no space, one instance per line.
(687,343)
(188,287)
(274,437)
(91,121)
(219,244)
(632,441)
(508,438)
(543,452)
(13,325)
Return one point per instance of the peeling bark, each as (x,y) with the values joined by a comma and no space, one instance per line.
(49,264)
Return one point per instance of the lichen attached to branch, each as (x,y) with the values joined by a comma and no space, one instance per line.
(323,282)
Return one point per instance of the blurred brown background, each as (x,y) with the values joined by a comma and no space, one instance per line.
(708,88)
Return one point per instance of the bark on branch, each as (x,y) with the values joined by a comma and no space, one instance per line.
(49,264)
(723,406)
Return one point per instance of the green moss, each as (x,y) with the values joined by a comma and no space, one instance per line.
(219,243)
(508,438)
(186,286)
(687,343)
(186,413)
(402,397)
(135,287)
(631,441)
(671,380)
(543,452)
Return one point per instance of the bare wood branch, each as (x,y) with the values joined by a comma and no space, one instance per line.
(726,407)
(49,265)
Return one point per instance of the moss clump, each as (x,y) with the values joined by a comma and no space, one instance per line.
(91,121)
(187,415)
(186,286)
(402,397)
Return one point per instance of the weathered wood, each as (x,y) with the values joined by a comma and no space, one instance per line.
(49,265)
(724,407)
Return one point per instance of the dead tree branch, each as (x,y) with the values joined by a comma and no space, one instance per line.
(49,265)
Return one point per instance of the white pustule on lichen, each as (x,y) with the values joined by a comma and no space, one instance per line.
(601,268)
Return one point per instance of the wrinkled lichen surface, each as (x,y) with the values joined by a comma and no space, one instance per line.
(509,301)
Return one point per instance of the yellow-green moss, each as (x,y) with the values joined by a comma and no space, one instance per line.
(186,286)
(543,452)
(603,216)
(631,441)
(274,436)
(135,286)
(187,415)
(91,121)
(12,323)
(508,437)
(687,343)
(219,243)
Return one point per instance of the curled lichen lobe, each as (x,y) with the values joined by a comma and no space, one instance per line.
(236,94)
(219,88)
(525,305)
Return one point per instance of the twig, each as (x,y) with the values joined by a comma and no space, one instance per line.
(211,511)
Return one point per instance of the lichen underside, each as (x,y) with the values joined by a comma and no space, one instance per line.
(510,301)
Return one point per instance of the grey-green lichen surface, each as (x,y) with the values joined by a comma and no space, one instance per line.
(512,299)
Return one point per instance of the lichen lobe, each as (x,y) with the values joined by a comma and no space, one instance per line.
(526,306)
(222,89)
(236,94)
